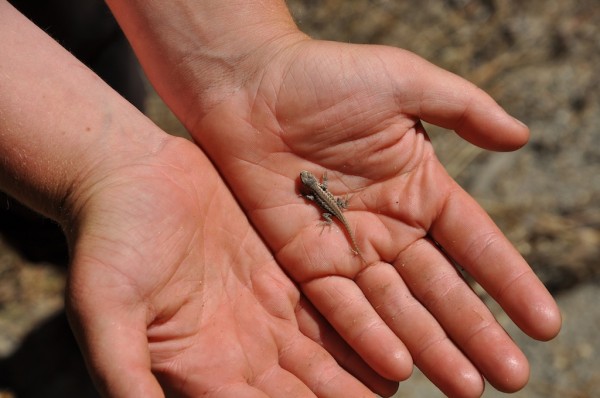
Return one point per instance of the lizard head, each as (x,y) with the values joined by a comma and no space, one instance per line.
(307,177)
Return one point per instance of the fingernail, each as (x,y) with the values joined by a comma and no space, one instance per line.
(518,121)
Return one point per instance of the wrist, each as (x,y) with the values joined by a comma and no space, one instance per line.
(60,126)
(195,53)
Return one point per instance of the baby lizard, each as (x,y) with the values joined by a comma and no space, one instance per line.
(333,206)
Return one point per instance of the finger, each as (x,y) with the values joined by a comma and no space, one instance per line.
(467,321)
(433,352)
(314,326)
(319,370)
(343,304)
(496,265)
(449,101)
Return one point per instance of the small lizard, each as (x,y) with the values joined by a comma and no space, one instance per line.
(333,206)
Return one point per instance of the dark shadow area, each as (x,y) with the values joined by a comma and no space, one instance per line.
(89,31)
(48,364)
(36,238)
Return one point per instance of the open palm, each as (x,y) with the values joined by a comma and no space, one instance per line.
(354,112)
(171,287)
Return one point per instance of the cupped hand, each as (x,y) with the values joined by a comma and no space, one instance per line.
(354,112)
(172,292)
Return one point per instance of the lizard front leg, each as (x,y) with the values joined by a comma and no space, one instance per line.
(324,181)
(326,223)
(342,203)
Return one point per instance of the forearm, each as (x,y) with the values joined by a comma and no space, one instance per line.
(58,121)
(197,51)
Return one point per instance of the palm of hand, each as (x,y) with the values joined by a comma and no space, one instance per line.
(355,110)
(169,277)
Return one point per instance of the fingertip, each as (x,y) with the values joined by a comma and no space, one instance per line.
(523,127)
(517,134)
(520,133)
(498,358)
(488,126)
(471,384)
(466,382)
(451,371)
(513,374)
(403,364)
(532,307)
(554,322)
(392,364)
(548,322)
(506,367)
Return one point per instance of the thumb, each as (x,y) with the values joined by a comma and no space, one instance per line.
(114,343)
(444,99)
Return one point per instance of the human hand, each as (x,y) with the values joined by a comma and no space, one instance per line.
(355,111)
(171,289)
(265,102)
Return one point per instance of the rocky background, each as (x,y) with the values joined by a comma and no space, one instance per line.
(540,59)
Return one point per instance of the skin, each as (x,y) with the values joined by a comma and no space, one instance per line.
(264,102)
(170,290)
(156,300)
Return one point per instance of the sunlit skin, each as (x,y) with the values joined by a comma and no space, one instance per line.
(173,290)
(265,101)
(407,303)
(170,289)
